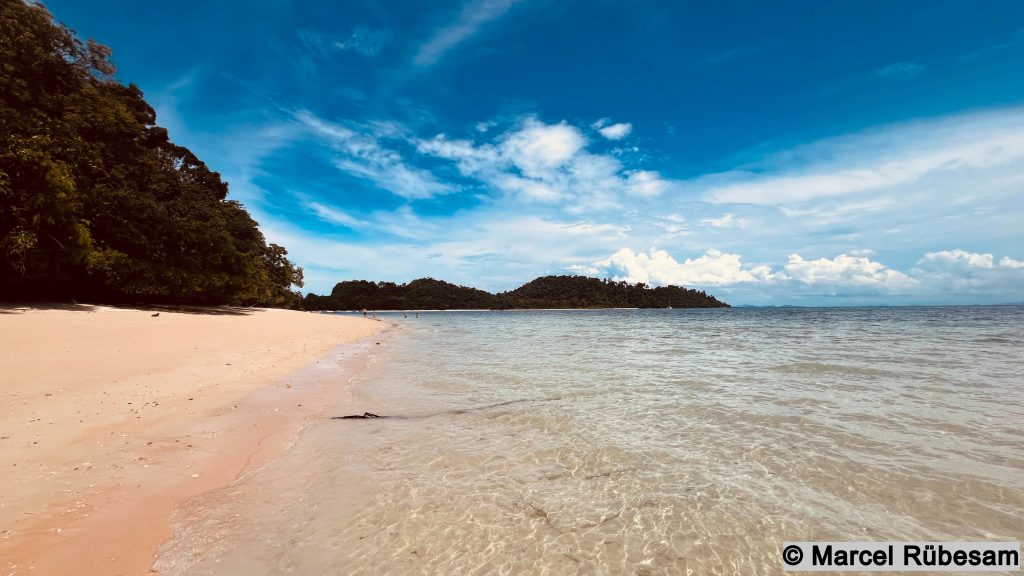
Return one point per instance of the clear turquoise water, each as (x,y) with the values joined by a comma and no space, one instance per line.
(642,442)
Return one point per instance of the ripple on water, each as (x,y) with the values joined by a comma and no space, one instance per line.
(635,442)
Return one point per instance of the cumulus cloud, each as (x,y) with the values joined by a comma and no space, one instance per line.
(846,271)
(951,260)
(1007,262)
(616,131)
(944,276)
(717,268)
(473,16)
(658,267)
(971,273)
(538,147)
(550,163)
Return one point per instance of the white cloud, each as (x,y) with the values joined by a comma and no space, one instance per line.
(888,159)
(846,271)
(334,216)
(547,163)
(659,268)
(646,183)
(361,154)
(539,147)
(714,268)
(672,225)
(726,221)
(828,212)
(527,189)
(473,16)
(971,273)
(616,131)
(940,277)
(1007,262)
(950,260)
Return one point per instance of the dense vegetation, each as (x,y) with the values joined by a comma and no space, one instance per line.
(546,292)
(582,292)
(422,294)
(96,202)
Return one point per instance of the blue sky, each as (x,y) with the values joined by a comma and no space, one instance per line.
(820,153)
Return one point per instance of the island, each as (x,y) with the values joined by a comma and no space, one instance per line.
(547,292)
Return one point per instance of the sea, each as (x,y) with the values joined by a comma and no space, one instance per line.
(690,441)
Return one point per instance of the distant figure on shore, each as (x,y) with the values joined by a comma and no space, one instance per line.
(364,312)
(417,313)
(404,315)
(374,314)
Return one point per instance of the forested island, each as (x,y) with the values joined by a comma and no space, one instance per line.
(96,203)
(545,292)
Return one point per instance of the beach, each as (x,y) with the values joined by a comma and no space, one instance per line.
(539,442)
(113,417)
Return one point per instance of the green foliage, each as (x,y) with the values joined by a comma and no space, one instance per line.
(583,292)
(546,292)
(422,294)
(96,202)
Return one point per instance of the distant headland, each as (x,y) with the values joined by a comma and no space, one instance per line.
(577,292)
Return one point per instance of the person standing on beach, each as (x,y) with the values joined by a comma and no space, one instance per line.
(364,312)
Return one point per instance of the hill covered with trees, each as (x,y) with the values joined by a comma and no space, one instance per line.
(545,292)
(584,292)
(422,294)
(96,202)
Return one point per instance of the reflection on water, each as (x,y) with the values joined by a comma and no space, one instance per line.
(640,442)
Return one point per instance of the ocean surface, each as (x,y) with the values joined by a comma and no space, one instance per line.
(638,442)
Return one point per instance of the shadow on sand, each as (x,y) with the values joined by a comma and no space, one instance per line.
(21,307)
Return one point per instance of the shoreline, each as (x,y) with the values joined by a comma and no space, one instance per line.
(118,417)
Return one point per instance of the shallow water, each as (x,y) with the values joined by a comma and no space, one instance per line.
(640,442)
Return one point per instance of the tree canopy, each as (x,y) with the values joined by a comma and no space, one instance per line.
(584,292)
(96,202)
(545,292)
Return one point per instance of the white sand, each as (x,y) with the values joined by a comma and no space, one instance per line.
(112,417)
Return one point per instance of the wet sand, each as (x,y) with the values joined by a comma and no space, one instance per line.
(112,418)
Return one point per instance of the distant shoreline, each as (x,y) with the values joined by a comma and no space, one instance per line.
(484,310)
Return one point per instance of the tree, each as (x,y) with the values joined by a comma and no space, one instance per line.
(96,201)
(545,292)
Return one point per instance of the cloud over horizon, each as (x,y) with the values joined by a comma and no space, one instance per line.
(492,141)
(554,171)
(938,277)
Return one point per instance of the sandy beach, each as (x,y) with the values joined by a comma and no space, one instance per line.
(112,417)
